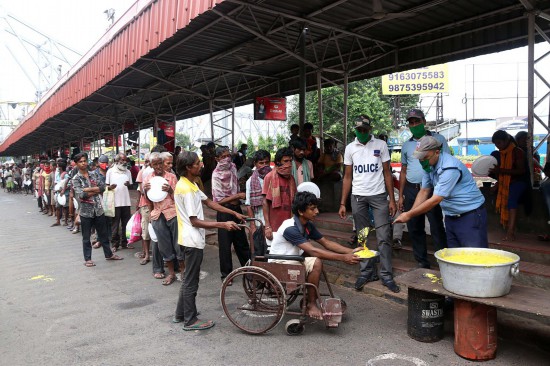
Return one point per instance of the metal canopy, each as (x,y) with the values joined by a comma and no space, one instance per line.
(174,59)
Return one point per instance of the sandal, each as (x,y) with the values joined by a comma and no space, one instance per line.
(200,325)
(144,261)
(127,247)
(169,280)
(96,245)
(89,264)
(159,276)
(544,237)
(114,257)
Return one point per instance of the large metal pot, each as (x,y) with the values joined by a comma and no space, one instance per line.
(477,280)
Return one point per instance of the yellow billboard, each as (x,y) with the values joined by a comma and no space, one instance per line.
(431,79)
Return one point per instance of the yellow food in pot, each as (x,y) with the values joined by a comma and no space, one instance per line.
(365,253)
(467,257)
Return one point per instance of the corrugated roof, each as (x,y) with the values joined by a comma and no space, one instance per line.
(169,58)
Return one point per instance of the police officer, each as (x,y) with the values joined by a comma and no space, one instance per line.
(410,180)
(452,186)
(367,174)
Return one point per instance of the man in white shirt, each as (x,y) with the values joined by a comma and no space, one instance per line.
(367,174)
(119,174)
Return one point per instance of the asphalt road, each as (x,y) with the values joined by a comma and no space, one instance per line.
(55,311)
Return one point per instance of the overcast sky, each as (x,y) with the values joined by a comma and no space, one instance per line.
(78,24)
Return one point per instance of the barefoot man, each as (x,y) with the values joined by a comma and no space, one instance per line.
(293,237)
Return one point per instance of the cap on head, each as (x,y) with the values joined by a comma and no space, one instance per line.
(363,121)
(424,146)
(103,159)
(415,113)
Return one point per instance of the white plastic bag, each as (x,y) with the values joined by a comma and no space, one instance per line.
(109,203)
(152,233)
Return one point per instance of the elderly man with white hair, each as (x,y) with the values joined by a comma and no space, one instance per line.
(120,175)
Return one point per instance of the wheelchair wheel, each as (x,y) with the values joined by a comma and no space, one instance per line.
(259,305)
(294,327)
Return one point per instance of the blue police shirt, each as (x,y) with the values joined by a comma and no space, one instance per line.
(414,169)
(451,180)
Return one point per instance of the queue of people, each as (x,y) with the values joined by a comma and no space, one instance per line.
(432,184)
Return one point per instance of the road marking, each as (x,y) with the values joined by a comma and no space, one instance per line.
(42,277)
(395,356)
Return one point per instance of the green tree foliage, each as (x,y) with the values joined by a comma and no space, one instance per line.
(184,141)
(251,147)
(280,141)
(364,97)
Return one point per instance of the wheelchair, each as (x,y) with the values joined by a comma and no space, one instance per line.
(256,297)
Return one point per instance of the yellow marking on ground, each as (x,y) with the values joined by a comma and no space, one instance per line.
(43,278)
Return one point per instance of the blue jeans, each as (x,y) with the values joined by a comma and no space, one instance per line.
(100,224)
(469,230)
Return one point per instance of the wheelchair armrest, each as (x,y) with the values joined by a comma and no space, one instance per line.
(285,257)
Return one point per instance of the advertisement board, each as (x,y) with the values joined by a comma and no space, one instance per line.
(431,79)
(266,108)
(109,140)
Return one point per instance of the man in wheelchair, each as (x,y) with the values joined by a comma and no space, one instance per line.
(293,238)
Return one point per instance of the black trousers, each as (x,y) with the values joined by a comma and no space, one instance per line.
(100,224)
(417,224)
(122,216)
(226,238)
(187,307)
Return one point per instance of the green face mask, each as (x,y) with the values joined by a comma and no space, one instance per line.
(426,165)
(363,137)
(418,131)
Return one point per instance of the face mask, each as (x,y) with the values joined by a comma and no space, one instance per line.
(426,165)
(244,152)
(224,163)
(284,170)
(418,131)
(363,137)
(103,166)
(262,172)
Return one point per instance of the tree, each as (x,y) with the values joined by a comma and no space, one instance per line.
(281,141)
(364,97)
(184,141)
(251,147)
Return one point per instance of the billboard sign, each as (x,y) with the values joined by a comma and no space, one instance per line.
(266,108)
(431,79)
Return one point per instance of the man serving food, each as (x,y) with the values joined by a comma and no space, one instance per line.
(293,238)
